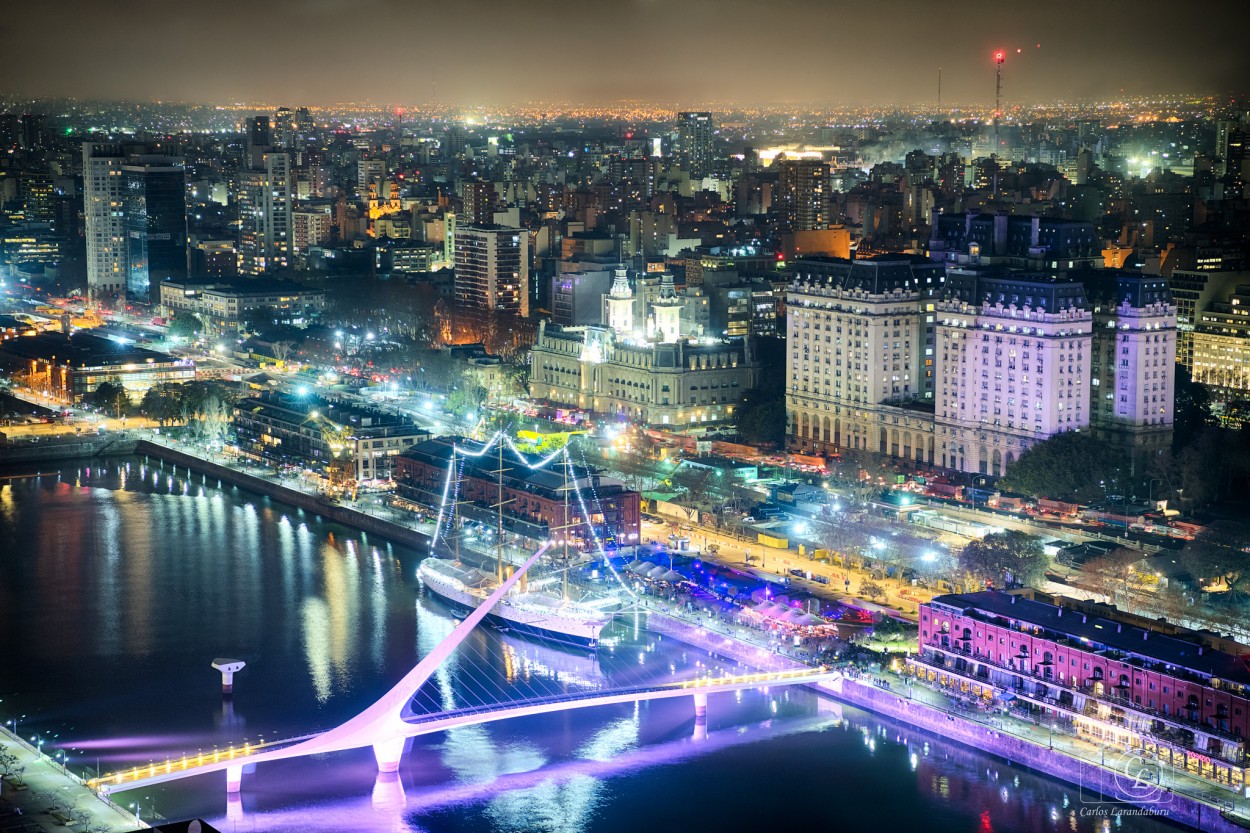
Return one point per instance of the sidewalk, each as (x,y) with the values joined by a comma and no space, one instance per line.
(50,798)
(1055,737)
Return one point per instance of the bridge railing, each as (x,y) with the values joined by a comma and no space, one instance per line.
(691,686)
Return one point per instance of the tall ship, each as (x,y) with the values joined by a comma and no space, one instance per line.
(542,607)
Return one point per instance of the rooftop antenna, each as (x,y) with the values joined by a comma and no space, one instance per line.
(939,88)
(999,57)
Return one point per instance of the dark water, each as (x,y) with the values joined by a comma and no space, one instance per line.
(120,582)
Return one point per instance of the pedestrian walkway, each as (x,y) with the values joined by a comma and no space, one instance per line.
(45,796)
(1058,738)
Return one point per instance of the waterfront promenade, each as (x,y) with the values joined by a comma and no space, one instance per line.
(1046,749)
(47,796)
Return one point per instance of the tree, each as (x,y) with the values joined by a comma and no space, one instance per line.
(259,319)
(185,325)
(871,590)
(1214,559)
(11,765)
(1113,575)
(1006,558)
(837,531)
(1073,466)
(112,397)
(208,408)
(466,398)
(281,350)
(1192,409)
(762,413)
(694,481)
(163,403)
(762,419)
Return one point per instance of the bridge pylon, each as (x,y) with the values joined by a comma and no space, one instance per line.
(388,754)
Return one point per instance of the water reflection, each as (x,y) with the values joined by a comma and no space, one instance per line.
(124,580)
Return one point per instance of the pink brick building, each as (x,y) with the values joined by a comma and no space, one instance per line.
(1169,696)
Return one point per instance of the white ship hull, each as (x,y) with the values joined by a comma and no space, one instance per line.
(523,613)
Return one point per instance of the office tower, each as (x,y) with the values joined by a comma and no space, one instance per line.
(32,132)
(1224,130)
(156,224)
(259,140)
(492,269)
(803,193)
(950,173)
(303,124)
(103,194)
(694,143)
(479,203)
(264,202)
(38,196)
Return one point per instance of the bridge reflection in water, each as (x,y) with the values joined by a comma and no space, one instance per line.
(389,722)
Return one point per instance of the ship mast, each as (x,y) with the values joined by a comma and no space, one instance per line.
(568,463)
(500,503)
(455,509)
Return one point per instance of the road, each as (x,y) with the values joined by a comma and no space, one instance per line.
(900,599)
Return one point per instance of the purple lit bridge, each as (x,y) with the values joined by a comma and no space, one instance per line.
(389,722)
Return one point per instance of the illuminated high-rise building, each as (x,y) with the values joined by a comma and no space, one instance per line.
(264,202)
(103,192)
(155,223)
(479,203)
(492,269)
(803,193)
(695,143)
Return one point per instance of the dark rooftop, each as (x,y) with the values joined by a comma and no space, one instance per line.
(1097,633)
(83,349)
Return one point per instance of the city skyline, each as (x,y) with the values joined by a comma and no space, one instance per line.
(795,50)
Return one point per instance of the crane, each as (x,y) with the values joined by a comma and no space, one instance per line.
(341,464)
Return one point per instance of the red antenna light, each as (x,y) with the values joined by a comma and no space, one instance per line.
(999,56)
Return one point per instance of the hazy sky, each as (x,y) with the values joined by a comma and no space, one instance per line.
(505,51)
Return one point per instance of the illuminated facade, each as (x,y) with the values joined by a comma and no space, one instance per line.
(223,304)
(67,368)
(684,382)
(283,428)
(492,269)
(103,210)
(264,201)
(1174,697)
(860,356)
(1221,344)
(155,208)
(1133,366)
(1013,353)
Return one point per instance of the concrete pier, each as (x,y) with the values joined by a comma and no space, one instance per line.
(228,668)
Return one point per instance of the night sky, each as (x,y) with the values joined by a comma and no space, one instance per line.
(513,51)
